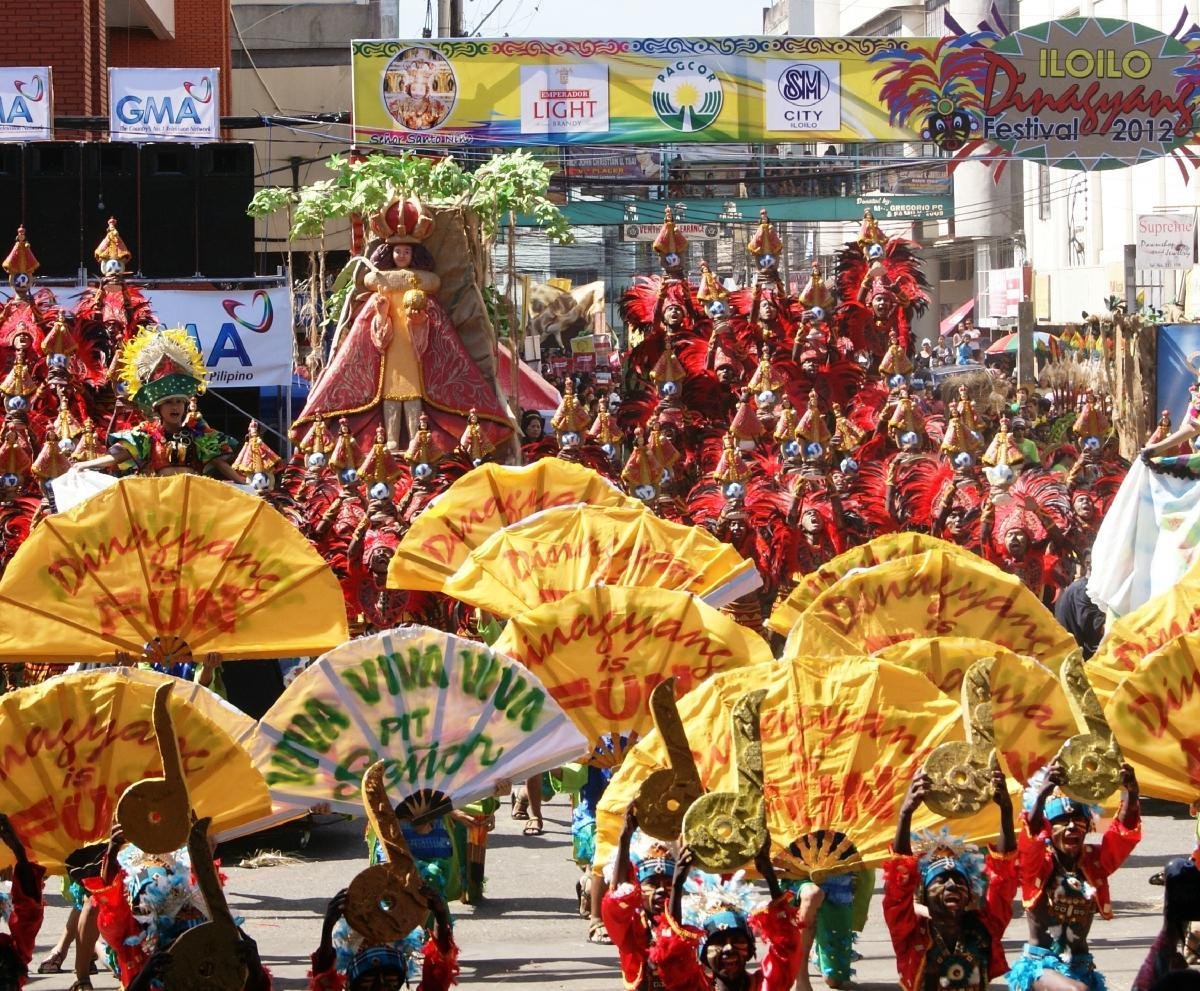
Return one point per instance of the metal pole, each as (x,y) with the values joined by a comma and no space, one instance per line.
(1131,306)
(444,17)
(1025,325)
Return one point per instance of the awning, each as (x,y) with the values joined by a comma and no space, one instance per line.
(947,326)
(534,391)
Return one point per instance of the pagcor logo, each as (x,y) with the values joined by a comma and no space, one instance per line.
(136,110)
(259,324)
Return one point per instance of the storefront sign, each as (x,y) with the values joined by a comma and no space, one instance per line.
(648,232)
(1166,240)
(245,336)
(615,164)
(26,105)
(164,104)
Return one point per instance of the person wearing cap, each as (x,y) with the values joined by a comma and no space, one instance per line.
(923,359)
(1064,880)
(1027,447)
(968,897)
(339,965)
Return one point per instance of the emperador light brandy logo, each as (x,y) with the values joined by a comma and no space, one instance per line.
(687,95)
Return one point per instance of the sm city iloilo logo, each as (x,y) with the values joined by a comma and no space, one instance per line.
(187,105)
(687,95)
(803,96)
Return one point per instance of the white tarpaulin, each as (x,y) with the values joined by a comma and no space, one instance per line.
(164,105)
(244,335)
(1149,538)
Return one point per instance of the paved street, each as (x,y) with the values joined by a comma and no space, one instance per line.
(527,933)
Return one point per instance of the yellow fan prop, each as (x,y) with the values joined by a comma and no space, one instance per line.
(935,594)
(75,743)
(1155,715)
(1140,633)
(480,503)
(547,556)
(168,567)
(1030,714)
(841,740)
(601,651)
(889,547)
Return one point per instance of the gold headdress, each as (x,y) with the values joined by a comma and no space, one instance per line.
(159,364)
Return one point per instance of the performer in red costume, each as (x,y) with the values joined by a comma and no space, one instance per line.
(25,915)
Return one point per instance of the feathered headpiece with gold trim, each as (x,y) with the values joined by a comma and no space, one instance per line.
(158,364)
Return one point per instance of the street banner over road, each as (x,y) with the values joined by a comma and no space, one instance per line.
(1083,93)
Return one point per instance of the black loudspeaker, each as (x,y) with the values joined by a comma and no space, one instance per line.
(110,189)
(224,186)
(169,205)
(53,186)
(12,193)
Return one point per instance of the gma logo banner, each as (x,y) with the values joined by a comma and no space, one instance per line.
(164,105)
(245,336)
(26,104)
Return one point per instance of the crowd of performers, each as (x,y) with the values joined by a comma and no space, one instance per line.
(791,427)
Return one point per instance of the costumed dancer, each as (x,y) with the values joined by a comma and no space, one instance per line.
(1064,881)
(341,962)
(22,908)
(969,898)
(162,370)
(143,903)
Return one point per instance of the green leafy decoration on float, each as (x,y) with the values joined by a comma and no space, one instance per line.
(511,183)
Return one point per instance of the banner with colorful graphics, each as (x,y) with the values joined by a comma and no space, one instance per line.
(1083,93)
(245,335)
(164,105)
(518,91)
(26,104)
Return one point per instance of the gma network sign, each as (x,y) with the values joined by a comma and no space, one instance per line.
(245,336)
(26,104)
(164,104)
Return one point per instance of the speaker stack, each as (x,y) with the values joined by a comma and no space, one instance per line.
(181,208)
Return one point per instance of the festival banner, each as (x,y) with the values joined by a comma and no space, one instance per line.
(1082,93)
(26,104)
(245,335)
(164,105)
(1166,240)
